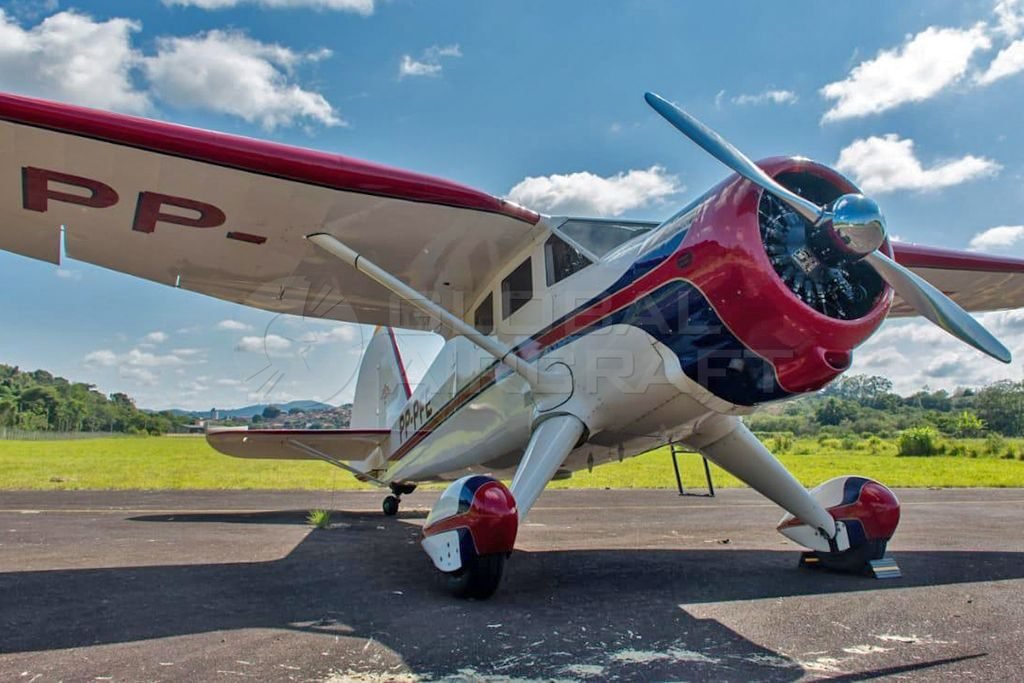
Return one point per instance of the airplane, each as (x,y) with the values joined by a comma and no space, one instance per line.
(569,341)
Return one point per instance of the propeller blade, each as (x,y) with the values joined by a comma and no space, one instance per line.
(936,306)
(715,145)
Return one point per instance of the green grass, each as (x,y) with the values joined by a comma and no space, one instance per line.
(319,519)
(189,463)
(154,463)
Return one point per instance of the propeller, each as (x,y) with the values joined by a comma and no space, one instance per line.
(856,226)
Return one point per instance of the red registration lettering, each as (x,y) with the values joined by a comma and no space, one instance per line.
(36,191)
(149,212)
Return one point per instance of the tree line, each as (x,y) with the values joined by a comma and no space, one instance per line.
(859,404)
(867,405)
(39,401)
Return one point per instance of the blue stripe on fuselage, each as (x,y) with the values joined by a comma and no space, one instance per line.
(679,316)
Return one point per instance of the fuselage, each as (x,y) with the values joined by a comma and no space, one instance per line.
(680,322)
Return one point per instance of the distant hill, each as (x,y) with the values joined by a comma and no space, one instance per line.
(247,412)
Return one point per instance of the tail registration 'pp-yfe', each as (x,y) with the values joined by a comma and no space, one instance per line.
(570,341)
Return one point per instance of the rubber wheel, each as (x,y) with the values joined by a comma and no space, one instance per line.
(479,579)
(390,506)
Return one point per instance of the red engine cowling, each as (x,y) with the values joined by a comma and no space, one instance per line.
(763,291)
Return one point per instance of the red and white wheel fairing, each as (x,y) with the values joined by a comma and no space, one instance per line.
(475,516)
(865,512)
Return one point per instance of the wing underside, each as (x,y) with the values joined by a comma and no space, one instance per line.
(977,282)
(228,216)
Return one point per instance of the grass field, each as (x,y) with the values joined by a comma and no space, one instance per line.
(188,463)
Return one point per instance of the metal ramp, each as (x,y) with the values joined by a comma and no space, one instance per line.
(678,449)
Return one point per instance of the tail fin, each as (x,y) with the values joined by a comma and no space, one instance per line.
(382,388)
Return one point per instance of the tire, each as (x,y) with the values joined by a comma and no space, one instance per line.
(479,579)
(390,506)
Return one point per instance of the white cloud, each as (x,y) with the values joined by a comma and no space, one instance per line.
(140,358)
(430,63)
(585,193)
(270,343)
(140,375)
(157,337)
(103,358)
(915,353)
(364,7)
(1008,62)
(999,237)
(410,67)
(339,333)
(233,326)
(230,73)
(767,97)
(923,66)
(71,57)
(68,274)
(192,387)
(887,163)
(1009,17)
(437,51)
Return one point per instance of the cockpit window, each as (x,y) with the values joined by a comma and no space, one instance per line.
(601,236)
(562,259)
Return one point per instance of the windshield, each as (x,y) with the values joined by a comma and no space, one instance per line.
(601,236)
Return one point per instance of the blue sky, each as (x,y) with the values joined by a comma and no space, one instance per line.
(918,101)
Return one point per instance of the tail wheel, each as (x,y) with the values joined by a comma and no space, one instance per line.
(390,506)
(479,578)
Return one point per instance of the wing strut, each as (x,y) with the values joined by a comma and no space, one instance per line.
(320,455)
(539,381)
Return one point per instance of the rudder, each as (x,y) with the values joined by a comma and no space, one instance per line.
(382,388)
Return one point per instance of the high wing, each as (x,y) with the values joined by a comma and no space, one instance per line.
(977,282)
(280,444)
(227,216)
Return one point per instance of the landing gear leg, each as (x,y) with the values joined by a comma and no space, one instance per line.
(391,503)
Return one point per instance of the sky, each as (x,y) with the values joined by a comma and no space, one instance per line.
(541,102)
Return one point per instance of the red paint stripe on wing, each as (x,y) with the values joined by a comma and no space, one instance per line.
(918,256)
(256,156)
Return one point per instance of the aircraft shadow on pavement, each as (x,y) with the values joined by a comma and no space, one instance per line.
(297,517)
(367,578)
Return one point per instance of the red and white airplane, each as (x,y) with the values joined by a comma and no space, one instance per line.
(570,341)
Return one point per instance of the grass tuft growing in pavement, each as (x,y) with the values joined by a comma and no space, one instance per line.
(319,519)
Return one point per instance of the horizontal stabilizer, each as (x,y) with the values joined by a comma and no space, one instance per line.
(340,444)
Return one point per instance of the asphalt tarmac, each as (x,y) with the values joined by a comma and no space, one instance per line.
(605,585)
